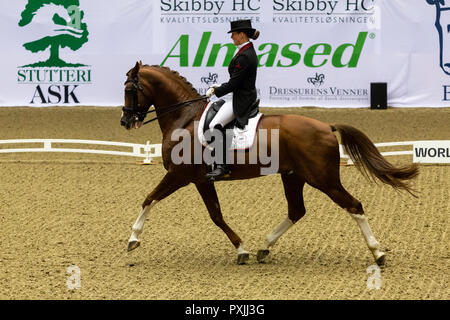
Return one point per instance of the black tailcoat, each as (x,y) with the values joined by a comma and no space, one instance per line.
(242,70)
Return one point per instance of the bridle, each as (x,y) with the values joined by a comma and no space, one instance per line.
(140,116)
(133,93)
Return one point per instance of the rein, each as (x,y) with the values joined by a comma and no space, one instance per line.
(141,115)
(172,108)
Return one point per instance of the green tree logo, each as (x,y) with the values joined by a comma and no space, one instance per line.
(67,29)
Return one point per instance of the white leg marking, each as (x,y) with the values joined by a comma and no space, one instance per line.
(138,226)
(241,249)
(278,232)
(372,243)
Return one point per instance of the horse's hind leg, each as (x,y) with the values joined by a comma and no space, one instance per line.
(324,175)
(339,195)
(209,196)
(293,189)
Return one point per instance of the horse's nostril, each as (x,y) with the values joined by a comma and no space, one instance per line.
(123,123)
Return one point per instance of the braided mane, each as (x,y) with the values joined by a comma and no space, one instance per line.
(187,85)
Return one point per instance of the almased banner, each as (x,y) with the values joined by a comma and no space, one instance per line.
(311,52)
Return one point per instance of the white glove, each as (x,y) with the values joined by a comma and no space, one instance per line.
(210,92)
(215,85)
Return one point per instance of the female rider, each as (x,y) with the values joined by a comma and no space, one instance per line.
(242,70)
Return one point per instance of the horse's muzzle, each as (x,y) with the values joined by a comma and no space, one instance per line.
(126,122)
(130,122)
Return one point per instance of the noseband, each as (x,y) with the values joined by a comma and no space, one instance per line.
(133,92)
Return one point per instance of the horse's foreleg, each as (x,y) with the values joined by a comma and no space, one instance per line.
(138,227)
(209,196)
(293,189)
(166,187)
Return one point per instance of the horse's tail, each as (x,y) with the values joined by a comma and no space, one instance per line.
(371,163)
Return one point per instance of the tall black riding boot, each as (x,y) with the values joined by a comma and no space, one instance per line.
(221,170)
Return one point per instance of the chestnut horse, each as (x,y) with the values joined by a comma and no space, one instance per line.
(308,153)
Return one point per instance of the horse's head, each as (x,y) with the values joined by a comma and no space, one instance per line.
(164,89)
(137,100)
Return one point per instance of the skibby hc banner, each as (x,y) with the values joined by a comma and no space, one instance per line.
(311,52)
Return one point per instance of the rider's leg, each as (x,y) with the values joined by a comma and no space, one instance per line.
(224,116)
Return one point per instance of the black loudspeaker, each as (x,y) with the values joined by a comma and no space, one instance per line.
(378,95)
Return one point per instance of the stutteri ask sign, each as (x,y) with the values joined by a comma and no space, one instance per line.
(54,79)
(432,151)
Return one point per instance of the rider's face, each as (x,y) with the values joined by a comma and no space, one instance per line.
(238,38)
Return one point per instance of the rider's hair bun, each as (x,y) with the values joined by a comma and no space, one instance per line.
(255,35)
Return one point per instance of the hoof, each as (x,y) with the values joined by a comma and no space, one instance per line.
(133,245)
(262,255)
(381,260)
(242,258)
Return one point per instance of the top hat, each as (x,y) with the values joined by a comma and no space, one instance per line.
(241,25)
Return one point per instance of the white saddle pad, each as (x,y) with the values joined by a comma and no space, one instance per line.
(242,138)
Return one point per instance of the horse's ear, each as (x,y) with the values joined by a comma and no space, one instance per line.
(140,63)
(135,70)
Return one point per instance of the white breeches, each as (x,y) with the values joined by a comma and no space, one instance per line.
(224,116)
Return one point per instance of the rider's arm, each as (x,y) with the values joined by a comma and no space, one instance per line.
(238,75)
